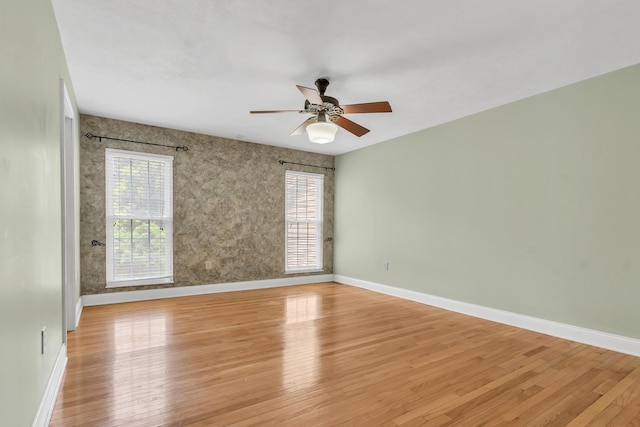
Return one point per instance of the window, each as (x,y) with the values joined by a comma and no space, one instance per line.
(303,216)
(139,208)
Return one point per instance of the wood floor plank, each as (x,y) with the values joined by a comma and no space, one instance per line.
(606,399)
(329,354)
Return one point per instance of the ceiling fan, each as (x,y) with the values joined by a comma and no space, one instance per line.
(327,112)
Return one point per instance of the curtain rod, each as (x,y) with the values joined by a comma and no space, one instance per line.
(282,162)
(101,137)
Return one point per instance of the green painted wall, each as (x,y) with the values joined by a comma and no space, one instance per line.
(532,207)
(30,210)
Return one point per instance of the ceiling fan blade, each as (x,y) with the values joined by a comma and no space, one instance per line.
(347,124)
(303,127)
(312,95)
(369,107)
(275,111)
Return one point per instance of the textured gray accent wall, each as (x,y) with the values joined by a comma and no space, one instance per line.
(228,204)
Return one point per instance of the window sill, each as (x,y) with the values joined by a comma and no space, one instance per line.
(314,270)
(140,282)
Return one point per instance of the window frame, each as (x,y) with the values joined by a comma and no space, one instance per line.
(167,218)
(319,221)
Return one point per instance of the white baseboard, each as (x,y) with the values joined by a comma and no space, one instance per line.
(605,340)
(45,410)
(78,311)
(183,291)
(596,338)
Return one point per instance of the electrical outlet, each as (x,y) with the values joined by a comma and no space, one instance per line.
(43,339)
(208,265)
(385,266)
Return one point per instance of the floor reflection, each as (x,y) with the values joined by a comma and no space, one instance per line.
(301,358)
(300,308)
(132,334)
(140,365)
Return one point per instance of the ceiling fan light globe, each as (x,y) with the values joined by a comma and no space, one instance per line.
(322,132)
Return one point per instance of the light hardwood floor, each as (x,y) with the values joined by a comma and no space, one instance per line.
(330,354)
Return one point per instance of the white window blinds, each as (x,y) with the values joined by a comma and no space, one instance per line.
(139,214)
(303,216)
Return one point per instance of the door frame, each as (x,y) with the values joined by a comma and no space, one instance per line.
(70,240)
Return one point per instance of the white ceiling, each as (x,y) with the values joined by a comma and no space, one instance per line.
(201,65)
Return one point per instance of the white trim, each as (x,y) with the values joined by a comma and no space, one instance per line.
(70,239)
(79,307)
(183,291)
(67,106)
(140,282)
(45,410)
(139,155)
(290,177)
(311,270)
(579,334)
(158,208)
